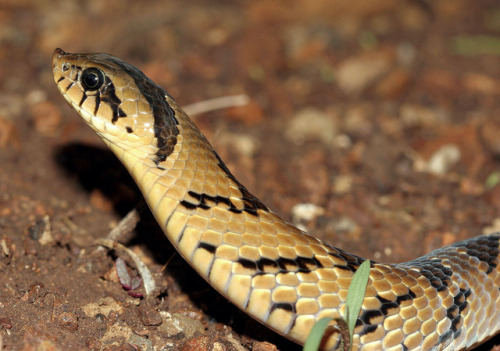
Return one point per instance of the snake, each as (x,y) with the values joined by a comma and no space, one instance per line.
(281,276)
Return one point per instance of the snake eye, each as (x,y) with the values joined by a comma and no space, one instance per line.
(92,78)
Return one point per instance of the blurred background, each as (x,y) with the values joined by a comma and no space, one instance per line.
(371,124)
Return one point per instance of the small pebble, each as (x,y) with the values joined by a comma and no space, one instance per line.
(443,159)
(175,324)
(311,123)
(264,346)
(36,291)
(149,316)
(64,316)
(355,74)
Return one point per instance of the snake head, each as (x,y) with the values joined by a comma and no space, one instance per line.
(118,101)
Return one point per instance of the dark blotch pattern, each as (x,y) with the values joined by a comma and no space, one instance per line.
(108,95)
(289,307)
(207,247)
(205,202)
(352,262)
(251,203)
(165,122)
(485,249)
(281,265)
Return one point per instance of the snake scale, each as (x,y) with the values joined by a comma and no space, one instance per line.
(279,275)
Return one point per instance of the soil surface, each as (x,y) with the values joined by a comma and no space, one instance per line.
(372,124)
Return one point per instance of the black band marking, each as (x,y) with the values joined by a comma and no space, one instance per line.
(289,307)
(70,85)
(207,247)
(281,265)
(251,203)
(84,97)
(484,248)
(97,103)
(165,122)
(204,201)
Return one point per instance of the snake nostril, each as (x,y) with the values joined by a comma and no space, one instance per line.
(65,67)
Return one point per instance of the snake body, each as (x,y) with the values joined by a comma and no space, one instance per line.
(279,275)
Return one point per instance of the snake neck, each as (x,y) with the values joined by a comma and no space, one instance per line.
(192,182)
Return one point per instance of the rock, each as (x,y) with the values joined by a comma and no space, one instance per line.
(64,316)
(104,306)
(311,123)
(443,159)
(208,343)
(356,74)
(264,346)
(149,316)
(175,324)
(304,213)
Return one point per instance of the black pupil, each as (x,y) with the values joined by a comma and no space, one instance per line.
(92,78)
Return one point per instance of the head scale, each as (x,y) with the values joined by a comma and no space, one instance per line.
(116,99)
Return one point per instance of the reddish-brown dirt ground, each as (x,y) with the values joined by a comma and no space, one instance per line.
(382,115)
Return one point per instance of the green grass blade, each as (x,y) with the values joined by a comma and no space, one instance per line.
(354,301)
(356,294)
(316,334)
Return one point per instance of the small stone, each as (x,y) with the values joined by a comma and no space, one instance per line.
(494,227)
(117,333)
(355,74)
(243,144)
(264,346)
(6,250)
(342,184)
(149,316)
(36,291)
(64,316)
(111,275)
(140,343)
(311,123)
(208,343)
(306,212)
(175,324)
(93,343)
(443,159)
(46,235)
(104,306)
